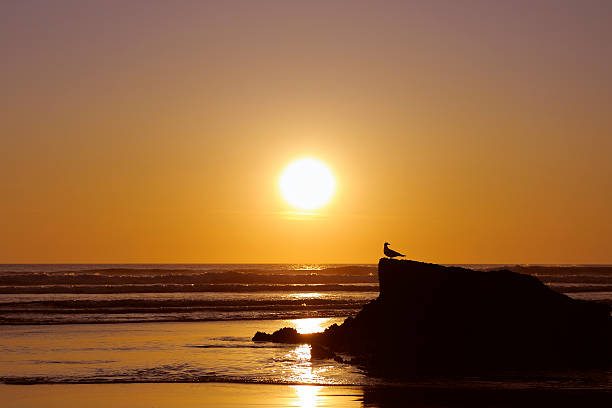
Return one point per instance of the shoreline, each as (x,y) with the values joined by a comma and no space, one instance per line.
(185,395)
(202,395)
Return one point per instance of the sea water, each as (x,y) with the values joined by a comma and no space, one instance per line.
(92,324)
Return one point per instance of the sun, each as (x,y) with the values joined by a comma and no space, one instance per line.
(307,184)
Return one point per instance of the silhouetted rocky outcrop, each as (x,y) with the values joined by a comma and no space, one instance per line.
(433,319)
(287,335)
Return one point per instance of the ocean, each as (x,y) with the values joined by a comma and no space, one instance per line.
(62,294)
(109,324)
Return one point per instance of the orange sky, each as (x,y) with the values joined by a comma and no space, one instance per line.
(156,132)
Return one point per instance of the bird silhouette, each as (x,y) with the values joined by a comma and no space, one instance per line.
(391,253)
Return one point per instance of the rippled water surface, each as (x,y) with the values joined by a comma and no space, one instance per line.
(165,352)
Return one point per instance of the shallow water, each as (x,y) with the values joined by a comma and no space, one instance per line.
(165,352)
(217,351)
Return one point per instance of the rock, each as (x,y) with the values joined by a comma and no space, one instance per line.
(287,335)
(320,352)
(435,319)
(261,336)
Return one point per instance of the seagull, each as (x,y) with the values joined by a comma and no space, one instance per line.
(391,253)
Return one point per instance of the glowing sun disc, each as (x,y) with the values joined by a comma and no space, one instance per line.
(307,184)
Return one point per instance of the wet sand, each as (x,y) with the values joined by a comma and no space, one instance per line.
(177,395)
(204,395)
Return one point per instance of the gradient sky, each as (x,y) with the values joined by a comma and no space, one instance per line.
(461,132)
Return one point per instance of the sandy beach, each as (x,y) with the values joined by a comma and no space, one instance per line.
(205,395)
(179,395)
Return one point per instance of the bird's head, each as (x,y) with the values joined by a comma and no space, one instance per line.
(386,243)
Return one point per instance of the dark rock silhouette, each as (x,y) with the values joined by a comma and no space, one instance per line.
(285,335)
(319,351)
(434,319)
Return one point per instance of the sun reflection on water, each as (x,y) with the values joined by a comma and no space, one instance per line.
(302,353)
(297,366)
(307,395)
(300,370)
(308,295)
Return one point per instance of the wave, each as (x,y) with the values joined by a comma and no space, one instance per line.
(580,288)
(555,270)
(186,288)
(57,309)
(187,270)
(264,274)
(172,278)
(178,305)
(201,316)
(204,278)
(174,379)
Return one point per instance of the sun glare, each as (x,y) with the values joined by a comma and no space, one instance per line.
(307,184)
(310,325)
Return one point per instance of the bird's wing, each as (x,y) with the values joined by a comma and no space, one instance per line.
(394,253)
